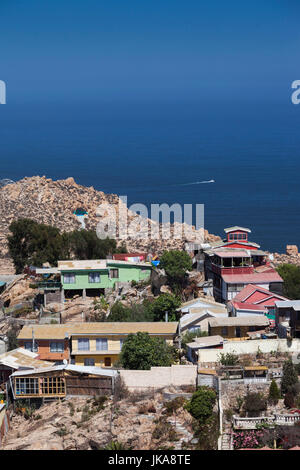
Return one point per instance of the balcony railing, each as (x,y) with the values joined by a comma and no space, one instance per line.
(276,418)
(49,285)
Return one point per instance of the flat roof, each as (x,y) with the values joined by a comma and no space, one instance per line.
(96,264)
(295,304)
(246,320)
(206,342)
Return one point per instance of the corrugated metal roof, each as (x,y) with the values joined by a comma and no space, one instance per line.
(255,278)
(21,358)
(80,369)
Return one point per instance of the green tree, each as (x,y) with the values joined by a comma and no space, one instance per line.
(85,244)
(290,274)
(289,377)
(274,393)
(176,264)
(201,404)
(254,403)
(165,303)
(132,313)
(31,243)
(141,352)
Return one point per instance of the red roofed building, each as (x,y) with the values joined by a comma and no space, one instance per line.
(254,299)
(133,257)
(235,263)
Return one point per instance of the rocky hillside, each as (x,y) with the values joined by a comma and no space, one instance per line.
(137,422)
(53,202)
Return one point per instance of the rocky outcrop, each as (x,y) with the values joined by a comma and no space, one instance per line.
(292,250)
(53,202)
(77,424)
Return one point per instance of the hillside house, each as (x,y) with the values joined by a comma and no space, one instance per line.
(236,262)
(255,300)
(287,318)
(91,277)
(237,327)
(18,359)
(61,381)
(89,344)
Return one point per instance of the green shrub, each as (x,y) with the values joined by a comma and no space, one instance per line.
(201,404)
(228,359)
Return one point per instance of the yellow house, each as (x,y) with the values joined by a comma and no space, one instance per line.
(99,344)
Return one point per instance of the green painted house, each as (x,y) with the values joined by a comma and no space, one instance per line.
(92,277)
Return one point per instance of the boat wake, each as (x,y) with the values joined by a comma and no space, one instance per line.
(197,182)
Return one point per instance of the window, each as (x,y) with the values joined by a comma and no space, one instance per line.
(69,278)
(83,344)
(27,386)
(107,361)
(57,346)
(28,346)
(113,273)
(53,386)
(89,361)
(194,329)
(238,331)
(101,344)
(224,331)
(94,278)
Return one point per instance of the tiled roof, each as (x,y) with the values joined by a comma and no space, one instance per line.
(98,328)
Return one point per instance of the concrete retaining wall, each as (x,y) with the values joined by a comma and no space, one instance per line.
(250,347)
(160,377)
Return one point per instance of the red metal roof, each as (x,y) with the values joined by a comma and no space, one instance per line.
(124,256)
(254,278)
(246,306)
(253,294)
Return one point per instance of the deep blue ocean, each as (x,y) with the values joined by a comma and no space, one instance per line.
(155,152)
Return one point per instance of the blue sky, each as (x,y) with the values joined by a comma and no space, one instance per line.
(158,49)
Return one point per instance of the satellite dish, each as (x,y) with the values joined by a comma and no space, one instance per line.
(65,362)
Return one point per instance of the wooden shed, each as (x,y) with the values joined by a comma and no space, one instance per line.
(61,381)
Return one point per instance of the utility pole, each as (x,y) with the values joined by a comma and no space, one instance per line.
(33,341)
